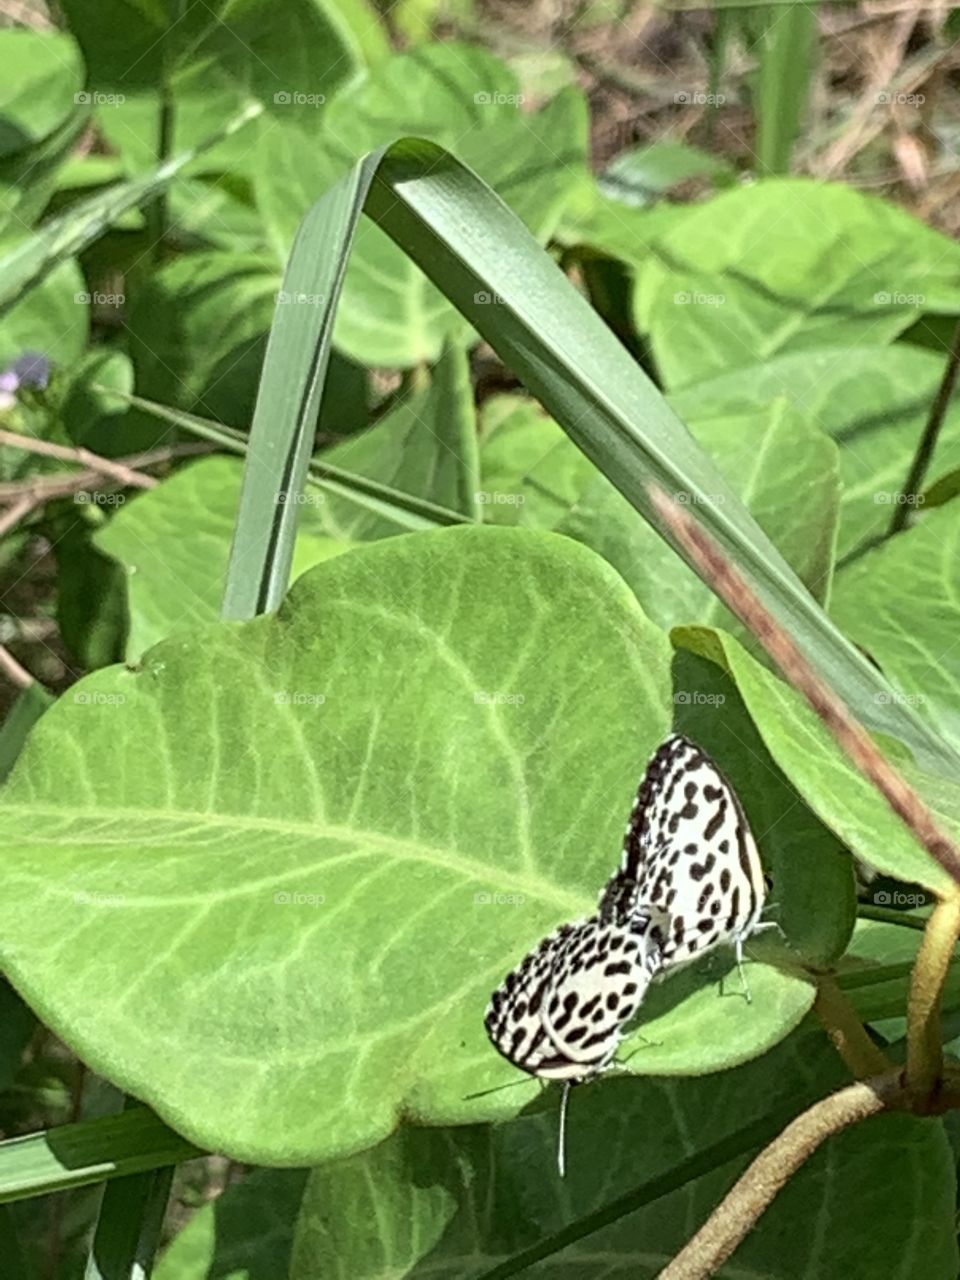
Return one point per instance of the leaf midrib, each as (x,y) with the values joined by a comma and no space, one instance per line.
(465,866)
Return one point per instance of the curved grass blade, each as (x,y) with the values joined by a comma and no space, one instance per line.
(380,499)
(473,248)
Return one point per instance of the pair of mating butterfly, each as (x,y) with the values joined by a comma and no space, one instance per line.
(690,879)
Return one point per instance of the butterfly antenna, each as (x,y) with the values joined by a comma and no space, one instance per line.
(562,1140)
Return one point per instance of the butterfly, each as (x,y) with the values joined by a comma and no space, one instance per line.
(690,879)
(560,1014)
(688,855)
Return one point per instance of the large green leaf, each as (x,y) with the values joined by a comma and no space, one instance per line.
(215,57)
(532,472)
(318,863)
(456,229)
(783,471)
(470,101)
(872,400)
(53,317)
(814,764)
(174,543)
(453,1204)
(199,330)
(43,74)
(426,445)
(731,283)
(901,602)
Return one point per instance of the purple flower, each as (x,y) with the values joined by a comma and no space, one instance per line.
(29,370)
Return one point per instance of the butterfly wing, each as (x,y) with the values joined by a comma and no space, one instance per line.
(689,858)
(602,976)
(513,1019)
(560,1014)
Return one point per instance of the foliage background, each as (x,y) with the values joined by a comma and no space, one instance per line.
(760,203)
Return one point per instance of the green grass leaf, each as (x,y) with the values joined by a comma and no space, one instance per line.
(174,544)
(450,223)
(783,471)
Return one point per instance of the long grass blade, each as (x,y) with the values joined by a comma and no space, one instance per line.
(471,245)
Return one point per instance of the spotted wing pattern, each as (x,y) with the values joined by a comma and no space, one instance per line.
(561,1013)
(689,860)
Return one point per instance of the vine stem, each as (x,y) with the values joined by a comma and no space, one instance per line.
(924,1039)
(756,1188)
(847,1033)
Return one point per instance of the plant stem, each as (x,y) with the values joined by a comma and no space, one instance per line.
(924,1041)
(847,1033)
(931,432)
(757,1187)
(726,581)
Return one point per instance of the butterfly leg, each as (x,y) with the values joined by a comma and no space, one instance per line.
(738,944)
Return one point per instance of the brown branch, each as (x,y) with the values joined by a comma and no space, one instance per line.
(753,1192)
(118,471)
(10,519)
(733,589)
(847,1033)
(27,495)
(12,669)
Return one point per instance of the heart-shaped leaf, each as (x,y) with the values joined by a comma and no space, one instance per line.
(282,865)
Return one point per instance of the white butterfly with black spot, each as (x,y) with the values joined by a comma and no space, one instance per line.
(690,879)
(688,855)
